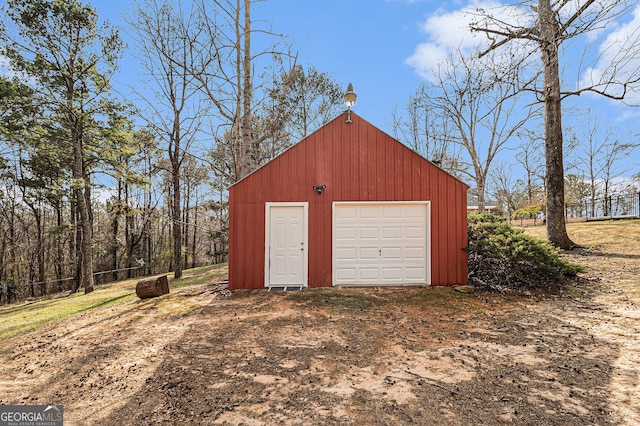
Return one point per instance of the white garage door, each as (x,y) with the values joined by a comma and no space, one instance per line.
(381,243)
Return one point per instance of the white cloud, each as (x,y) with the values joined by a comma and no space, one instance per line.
(617,59)
(449,31)
(627,114)
(611,50)
(425,58)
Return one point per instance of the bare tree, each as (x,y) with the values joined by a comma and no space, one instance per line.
(546,26)
(600,157)
(615,151)
(223,64)
(427,132)
(577,188)
(531,158)
(478,99)
(589,158)
(636,181)
(194,176)
(166,38)
(509,193)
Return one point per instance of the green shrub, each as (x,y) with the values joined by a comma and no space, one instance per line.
(503,258)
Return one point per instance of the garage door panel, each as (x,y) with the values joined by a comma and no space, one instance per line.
(415,274)
(367,212)
(414,253)
(392,253)
(346,212)
(347,253)
(392,232)
(369,273)
(368,253)
(392,212)
(346,233)
(389,240)
(346,274)
(369,233)
(391,274)
(416,232)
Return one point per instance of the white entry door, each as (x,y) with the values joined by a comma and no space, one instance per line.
(384,243)
(286,249)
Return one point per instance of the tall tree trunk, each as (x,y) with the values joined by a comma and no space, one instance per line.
(195,230)
(147,228)
(36,267)
(607,198)
(593,195)
(13,257)
(84,228)
(59,246)
(480,188)
(185,221)
(73,241)
(129,236)
(175,214)
(115,228)
(556,227)
(243,64)
(4,283)
(32,275)
(247,90)
(40,252)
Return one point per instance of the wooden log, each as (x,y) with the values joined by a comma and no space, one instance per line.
(152,287)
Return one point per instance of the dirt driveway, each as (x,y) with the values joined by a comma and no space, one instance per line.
(350,356)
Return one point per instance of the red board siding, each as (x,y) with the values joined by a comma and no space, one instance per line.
(356,162)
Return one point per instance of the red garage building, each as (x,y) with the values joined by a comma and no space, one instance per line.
(347,205)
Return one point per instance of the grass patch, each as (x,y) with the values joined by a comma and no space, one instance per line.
(362,299)
(360,397)
(201,275)
(607,233)
(25,316)
(16,319)
(338,299)
(434,297)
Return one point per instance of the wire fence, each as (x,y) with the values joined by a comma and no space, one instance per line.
(611,207)
(95,274)
(22,291)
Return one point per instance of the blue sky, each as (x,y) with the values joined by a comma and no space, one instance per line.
(363,42)
(387,47)
(384,47)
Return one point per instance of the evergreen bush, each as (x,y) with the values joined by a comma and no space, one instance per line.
(503,258)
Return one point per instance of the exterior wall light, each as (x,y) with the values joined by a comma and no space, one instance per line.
(349,100)
(319,188)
